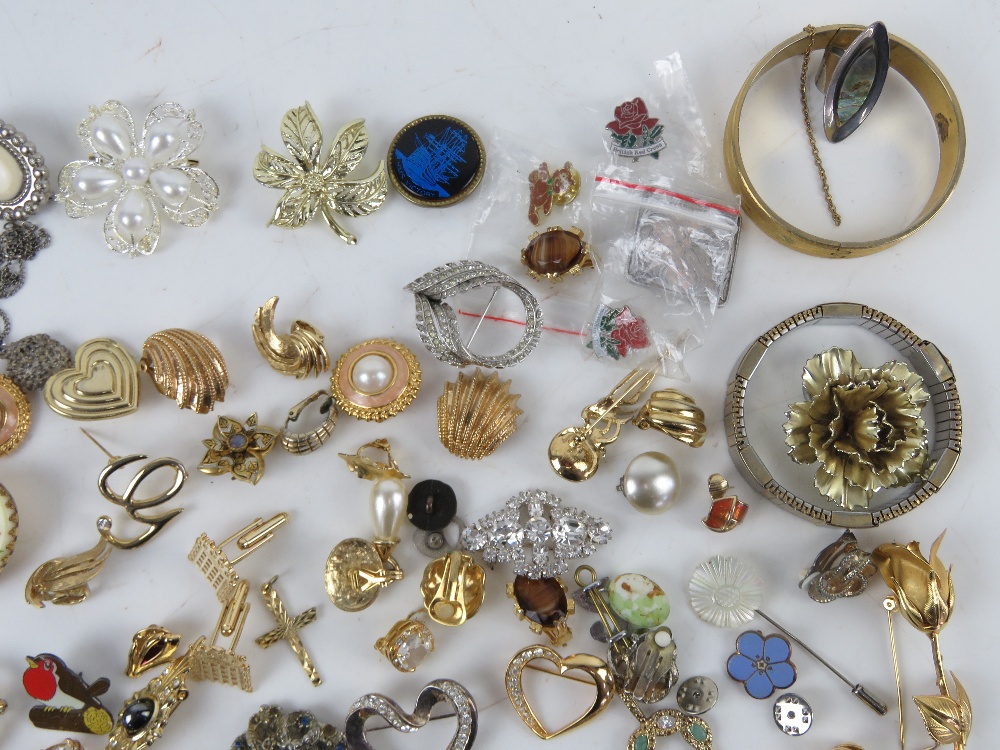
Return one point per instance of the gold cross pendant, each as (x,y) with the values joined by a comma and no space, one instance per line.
(288,629)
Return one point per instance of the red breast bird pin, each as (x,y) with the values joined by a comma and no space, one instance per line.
(70,703)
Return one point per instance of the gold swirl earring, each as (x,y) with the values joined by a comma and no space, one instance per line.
(300,353)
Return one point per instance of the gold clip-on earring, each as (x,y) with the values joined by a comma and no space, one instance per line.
(576,452)
(356,569)
(453,588)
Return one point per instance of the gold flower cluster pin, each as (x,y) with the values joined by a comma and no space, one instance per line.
(862,425)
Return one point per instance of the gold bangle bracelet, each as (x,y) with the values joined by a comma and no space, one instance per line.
(922,74)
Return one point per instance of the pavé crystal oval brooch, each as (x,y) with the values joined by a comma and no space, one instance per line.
(536,534)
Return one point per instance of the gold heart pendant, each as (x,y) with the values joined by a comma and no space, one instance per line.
(103,384)
(593,667)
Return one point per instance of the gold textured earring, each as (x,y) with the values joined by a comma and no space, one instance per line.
(675,414)
(301,443)
(476,414)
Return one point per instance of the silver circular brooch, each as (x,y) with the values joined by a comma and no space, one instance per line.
(437,322)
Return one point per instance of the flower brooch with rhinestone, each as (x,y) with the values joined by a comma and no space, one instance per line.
(536,534)
(138,179)
(238,449)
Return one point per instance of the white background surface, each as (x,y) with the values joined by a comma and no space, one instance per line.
(533,69)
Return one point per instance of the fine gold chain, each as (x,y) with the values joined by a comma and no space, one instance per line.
(809,128)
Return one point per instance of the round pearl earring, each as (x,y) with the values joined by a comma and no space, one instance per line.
(651,482)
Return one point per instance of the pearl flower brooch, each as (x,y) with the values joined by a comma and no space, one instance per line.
(137,180)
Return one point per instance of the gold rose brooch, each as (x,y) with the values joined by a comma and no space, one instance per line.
(922,592)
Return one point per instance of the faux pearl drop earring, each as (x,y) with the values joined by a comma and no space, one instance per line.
(356,569)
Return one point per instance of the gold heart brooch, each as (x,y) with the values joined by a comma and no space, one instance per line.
(595,668)
(104,383)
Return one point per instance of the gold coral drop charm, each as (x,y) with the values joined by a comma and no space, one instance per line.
(300,353)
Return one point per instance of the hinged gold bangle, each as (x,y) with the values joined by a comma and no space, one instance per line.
(922,74)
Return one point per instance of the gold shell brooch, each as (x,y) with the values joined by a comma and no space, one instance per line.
(186,367)
(476,414)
